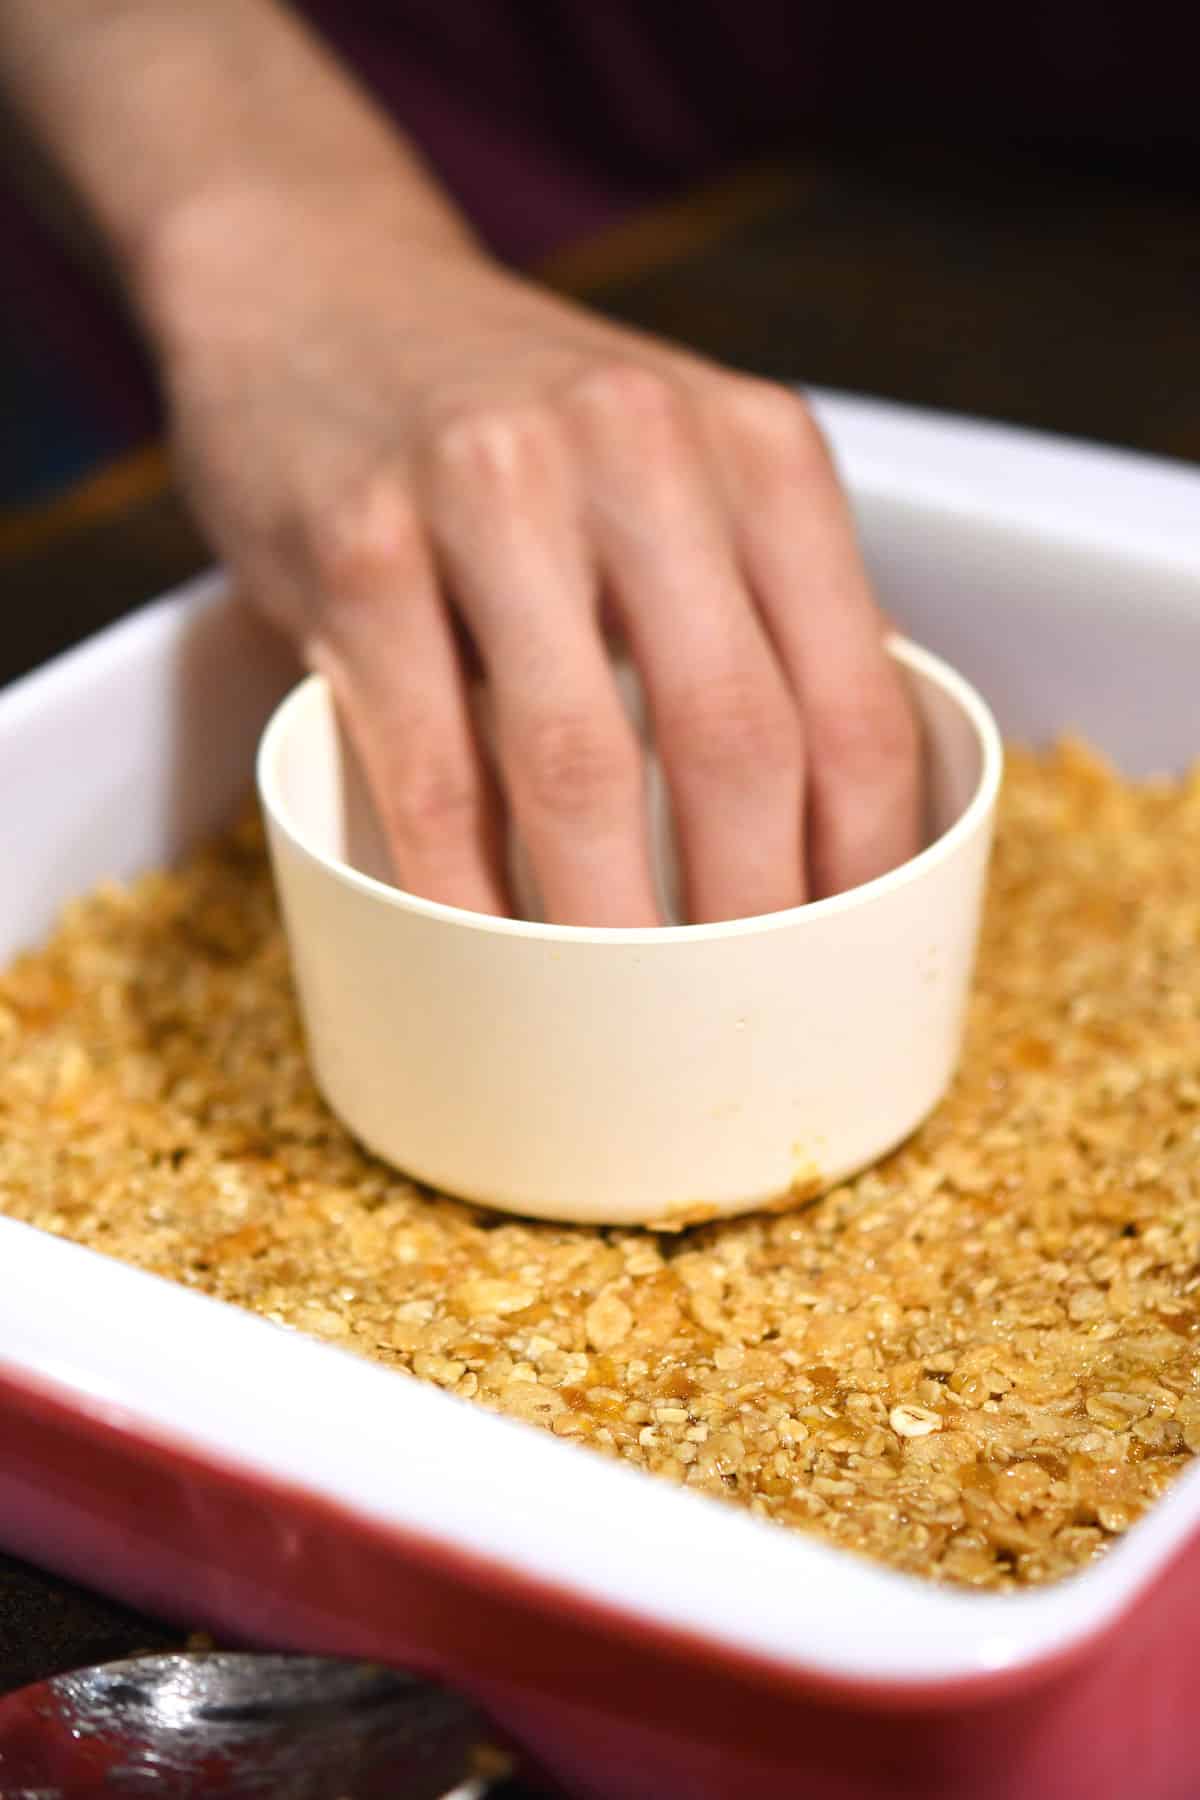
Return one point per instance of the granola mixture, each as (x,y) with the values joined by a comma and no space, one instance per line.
(979,1362)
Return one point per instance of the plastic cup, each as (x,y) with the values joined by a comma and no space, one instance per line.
(657,1077)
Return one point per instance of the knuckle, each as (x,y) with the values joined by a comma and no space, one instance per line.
(873,743)
(573,768)
(431,800)
(493,447)
(366,533)
(629,395)
(734,724)
(778,428)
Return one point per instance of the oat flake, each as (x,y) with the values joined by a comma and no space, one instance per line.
(1023,1271)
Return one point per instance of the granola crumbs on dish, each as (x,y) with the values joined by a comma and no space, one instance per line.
(980,1361)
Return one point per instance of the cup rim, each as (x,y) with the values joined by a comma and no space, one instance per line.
(912,656)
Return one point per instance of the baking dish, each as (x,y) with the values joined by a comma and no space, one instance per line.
(641,1641)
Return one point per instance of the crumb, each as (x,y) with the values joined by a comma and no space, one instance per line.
(978,1362)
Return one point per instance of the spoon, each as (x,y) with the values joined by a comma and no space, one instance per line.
(238,1725)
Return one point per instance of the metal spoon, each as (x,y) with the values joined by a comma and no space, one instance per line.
(233,1724)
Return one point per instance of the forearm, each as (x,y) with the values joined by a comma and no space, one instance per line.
(158,108)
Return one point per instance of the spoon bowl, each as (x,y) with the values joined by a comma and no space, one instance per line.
(238,1725)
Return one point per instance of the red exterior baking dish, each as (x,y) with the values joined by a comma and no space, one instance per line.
(640,1640)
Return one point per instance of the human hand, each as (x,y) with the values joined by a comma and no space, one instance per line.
(411,459)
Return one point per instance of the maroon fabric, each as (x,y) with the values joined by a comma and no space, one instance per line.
(547,117)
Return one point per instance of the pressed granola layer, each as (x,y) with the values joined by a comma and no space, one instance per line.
(978,1362)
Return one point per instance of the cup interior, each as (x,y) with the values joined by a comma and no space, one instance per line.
(315,780)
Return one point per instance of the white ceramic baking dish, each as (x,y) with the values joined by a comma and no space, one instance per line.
(643,1641)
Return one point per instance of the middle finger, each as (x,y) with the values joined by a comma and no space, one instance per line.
(726,725)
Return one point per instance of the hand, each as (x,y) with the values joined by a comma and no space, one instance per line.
(411,458)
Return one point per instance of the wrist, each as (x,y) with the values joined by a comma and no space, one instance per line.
(177,125)
(242,254)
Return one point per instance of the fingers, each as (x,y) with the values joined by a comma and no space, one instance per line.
(386,642)
(726,726)
(797,544)
(502,514)
(711,521)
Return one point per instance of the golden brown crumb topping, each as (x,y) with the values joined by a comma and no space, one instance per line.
(979,1361)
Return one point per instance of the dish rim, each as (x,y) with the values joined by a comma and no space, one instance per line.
(928,460)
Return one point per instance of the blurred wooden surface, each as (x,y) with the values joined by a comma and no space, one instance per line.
(992,285)
(1050,296)
(995,284)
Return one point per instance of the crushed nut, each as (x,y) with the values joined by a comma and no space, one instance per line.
(608,1322)
(914,1421)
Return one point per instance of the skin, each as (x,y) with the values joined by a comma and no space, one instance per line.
(426,469)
